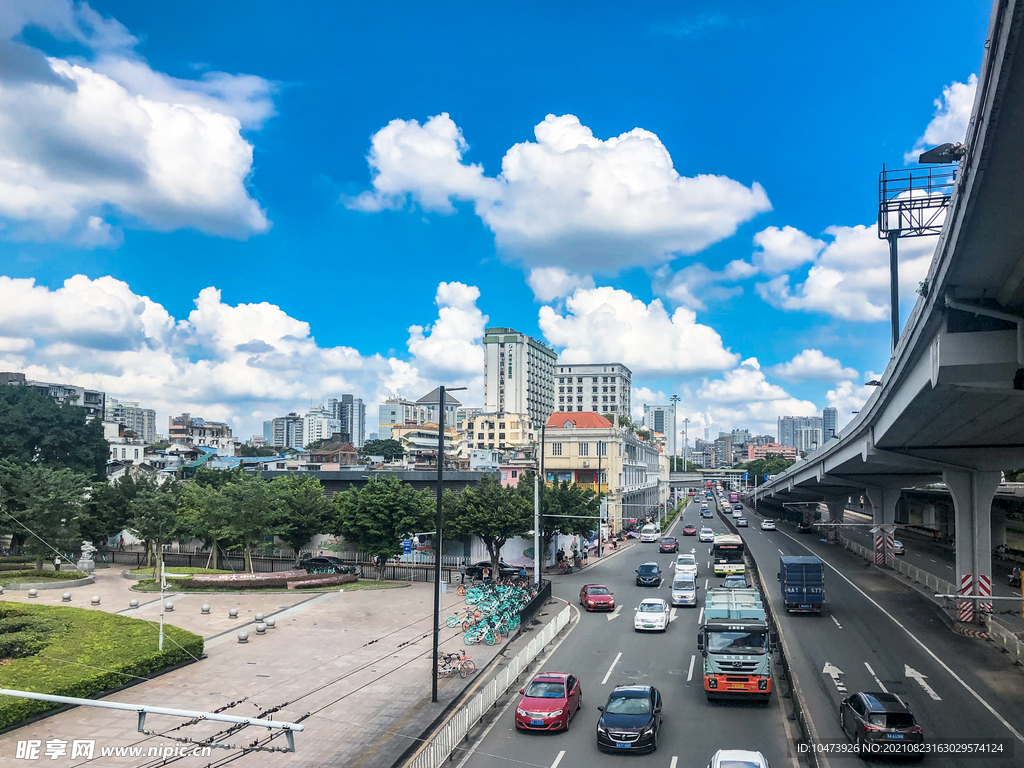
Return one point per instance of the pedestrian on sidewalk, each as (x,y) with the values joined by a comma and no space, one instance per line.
(585,555)
(56,563)
(560,556)
(615,542)
(462,571)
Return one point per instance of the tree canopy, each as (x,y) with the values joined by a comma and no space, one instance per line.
(491,512)
(771,464)
(389,449)
(254,451)
(378,516)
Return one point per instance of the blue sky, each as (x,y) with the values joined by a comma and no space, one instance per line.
(240,209)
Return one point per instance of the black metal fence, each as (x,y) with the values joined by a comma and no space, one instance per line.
(532,608)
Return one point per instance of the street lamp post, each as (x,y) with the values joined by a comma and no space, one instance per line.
(441,403)
(674,400)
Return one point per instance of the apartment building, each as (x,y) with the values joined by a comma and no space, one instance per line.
(603,388)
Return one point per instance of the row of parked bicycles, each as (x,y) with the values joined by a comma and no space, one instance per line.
(492,610)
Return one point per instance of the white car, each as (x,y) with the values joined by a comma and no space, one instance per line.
(898,548)
(741,522)
(651,614)
(737,513)
(649,533)
(686,564)
(767,525)
(706,534)
(684,590)
(737,758)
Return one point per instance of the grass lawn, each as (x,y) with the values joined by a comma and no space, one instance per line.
(78,652)
(176,569)
(181,585)
(33,576)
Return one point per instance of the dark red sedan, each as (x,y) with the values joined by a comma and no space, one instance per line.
(597,597)
(689,529)
(549,702)
(669,544)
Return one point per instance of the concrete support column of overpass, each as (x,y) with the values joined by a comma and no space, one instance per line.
(928,516)
(836,511)
(883,515)
(998,527)
(972,493)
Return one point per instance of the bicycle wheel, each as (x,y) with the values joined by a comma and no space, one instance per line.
(467,667)
(466,625)
(491,637)
(461,590)
(452,621)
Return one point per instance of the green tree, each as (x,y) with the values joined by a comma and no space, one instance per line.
(378,516)
(566,508)
(389,449)
(254,451)
(41,505)
(107,512)
(491,512)
(153,517)
(33,428)
(317,444)
(771,464)
(204,516)
(253,512)
(306,512)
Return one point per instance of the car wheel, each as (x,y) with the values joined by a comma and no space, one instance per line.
(568,719)
(862,749)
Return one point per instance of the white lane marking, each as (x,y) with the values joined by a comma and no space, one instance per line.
(781,552)
(615,614)
(1017,734)
(708,566)
(609,672)
(673,763)
(877,681)
(908,671)
(558,759)
(700,616)
(932,561)
(672,615)
(950,567)
(689,675)
(837,622)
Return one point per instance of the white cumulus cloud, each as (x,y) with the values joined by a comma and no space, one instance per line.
(550,283)
(452,345)
(849,396)
(813,365)
(85,140)
(952,116)
(567,199)
(610,324)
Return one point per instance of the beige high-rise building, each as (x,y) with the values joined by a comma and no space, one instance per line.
(518,375)
(603,388)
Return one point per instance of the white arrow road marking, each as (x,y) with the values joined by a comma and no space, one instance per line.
(609,672)
(672,615)
(837,622)
(689,675)
(615,614)
(910,672)
(558,759)
(834,672)
(877,681)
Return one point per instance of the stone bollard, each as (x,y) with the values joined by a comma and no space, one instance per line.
(243,637)
(261,628)
(95,600)
(233,613)
(270,623)
(168,606)
(33,593)
(258,617)
(66,597)
(133,603)
(1,590)
(205,608)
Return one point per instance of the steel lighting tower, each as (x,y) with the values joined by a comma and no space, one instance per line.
(674,399)
(441,402)
(912,203)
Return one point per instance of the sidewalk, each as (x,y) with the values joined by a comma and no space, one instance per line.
(593,559)
(357,663)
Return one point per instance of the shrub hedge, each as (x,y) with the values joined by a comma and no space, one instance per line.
(30,576)
(176,569)
(79,652)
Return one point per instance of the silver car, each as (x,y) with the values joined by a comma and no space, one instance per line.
(684,590)
(737,758)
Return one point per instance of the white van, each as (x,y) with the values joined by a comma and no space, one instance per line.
(649,533)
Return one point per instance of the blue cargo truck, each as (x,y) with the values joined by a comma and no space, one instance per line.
(803,583)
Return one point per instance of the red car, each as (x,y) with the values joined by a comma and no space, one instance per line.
(597,597)
(689,529)
(549,702)
(669,544)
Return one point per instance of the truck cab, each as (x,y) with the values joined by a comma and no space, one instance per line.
(736,645)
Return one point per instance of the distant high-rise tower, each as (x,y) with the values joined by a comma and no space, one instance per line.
(518,375)
(351,412)
(659,418)
(829,428)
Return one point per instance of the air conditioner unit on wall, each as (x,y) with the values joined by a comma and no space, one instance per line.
(586,465)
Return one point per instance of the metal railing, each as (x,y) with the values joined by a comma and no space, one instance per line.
(442,744)
(1002,635)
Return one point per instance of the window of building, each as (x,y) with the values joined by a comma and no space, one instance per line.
(556,449)
(501,435)
(561,399)
(613,389)
(602,449)
(515,473)
(604,389)
(594,408)
(579,389)
(480,436)
(593,398)
(612,398)
(579,379)
(501,425)
(593,389)
(579,398)
(584,449)
(604,398)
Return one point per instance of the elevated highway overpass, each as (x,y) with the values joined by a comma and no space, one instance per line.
(950,407)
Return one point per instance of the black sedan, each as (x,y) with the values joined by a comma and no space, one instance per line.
(630,720)
(476,571)
(648,575)
(325,564)
(805,528)
(868,717)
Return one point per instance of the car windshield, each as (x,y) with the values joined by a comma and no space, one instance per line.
(683,584)
(651,608)
(732,581)
(669,539)
(736,642)
(546,689)
(647,570)
(598,591)
(738,764)
(891,719)
(628,705)
(686,560)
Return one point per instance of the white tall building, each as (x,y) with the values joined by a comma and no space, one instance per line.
(141,421)
(351,413)
(519,375)
(603,388)
(661,418)
(284,431)
(398,410)
(319,424)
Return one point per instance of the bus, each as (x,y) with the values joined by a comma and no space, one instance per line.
(727,554)
(734,497)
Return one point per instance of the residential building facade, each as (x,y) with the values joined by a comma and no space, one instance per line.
(397,410)
(429,402)
(723,451)
(419,441)
(350,411)
(141,421)
(755,452)
(519,374)
(320,424)
(660,418)
(285,431)
(801,432)
(91,400)
(501,431)
(603,388)
(584,448)
(193,430)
